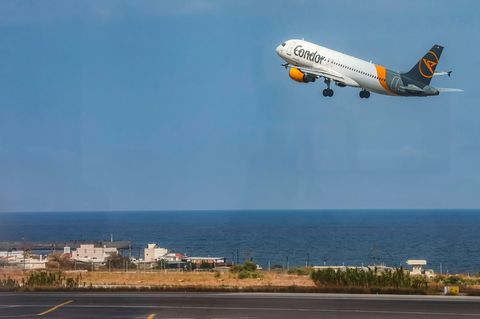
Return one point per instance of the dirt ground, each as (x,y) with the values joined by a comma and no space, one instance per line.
(177,279)
(200,279)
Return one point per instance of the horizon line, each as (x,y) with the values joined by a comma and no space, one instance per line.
(233,210)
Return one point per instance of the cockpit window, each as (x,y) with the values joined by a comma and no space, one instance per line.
(283,44)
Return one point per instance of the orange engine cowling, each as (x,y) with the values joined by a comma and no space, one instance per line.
(297,75)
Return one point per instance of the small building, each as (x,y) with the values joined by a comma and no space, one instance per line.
(212,261)
(33,263)
(153,253)
(22,260)
(173,257)
(416,265)
(90,253)
(417,269)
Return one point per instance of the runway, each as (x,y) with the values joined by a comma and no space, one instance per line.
(234,306)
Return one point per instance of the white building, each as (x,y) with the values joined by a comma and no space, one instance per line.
(90,253)
(417,268)
(22,260)
(206,260)
(153,253)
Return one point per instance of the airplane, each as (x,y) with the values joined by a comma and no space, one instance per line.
(308,62)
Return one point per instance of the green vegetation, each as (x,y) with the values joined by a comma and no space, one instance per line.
(247,270)
(41,280)
(8,284)
(300,271)
(455,280)
(49,279)
(371,278)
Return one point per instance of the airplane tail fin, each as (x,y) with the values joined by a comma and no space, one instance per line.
(424,70)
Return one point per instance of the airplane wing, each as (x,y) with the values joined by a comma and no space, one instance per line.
(326,73)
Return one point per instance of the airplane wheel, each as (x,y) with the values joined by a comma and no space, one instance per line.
(330,92)
(325,92)
(364,94)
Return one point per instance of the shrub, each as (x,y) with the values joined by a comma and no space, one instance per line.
(300,271)
(236,268)
(243,274)
(8,283)
(249,266)
(453,280)
(354,277)
(50,279)
(247,270)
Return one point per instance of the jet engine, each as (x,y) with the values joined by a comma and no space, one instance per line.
(297,75)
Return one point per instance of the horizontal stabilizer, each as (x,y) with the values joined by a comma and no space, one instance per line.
(442,73)
(449,90)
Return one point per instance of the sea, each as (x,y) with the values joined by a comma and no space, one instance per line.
(448,239)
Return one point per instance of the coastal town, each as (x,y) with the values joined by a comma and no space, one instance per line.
(91,257)
(101,255)
(110,264)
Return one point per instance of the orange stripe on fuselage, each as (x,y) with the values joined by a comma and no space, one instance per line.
(382,78)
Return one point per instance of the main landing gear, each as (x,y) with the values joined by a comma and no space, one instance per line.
(364,94)
(328,91)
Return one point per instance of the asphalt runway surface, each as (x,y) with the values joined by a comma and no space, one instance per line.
(232,305)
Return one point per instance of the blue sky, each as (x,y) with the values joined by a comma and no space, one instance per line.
(158,105)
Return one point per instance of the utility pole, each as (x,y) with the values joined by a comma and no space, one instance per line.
(23,239)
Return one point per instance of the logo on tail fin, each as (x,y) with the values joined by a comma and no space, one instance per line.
(426,66)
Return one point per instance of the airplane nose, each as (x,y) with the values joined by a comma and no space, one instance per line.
(279,49)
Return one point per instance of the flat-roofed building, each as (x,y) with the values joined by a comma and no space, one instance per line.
(153,253)
(206,260)
(23,260)
(90,253)
(416,265)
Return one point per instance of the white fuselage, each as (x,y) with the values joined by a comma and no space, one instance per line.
(357,72)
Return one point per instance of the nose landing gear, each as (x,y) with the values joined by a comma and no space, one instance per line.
(328,91)
(364,94)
